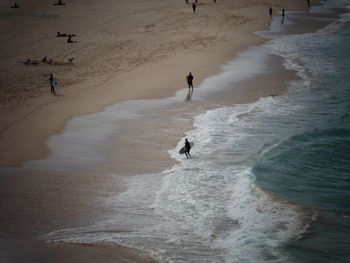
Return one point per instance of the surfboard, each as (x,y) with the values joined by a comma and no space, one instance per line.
(55,84)
(183,149)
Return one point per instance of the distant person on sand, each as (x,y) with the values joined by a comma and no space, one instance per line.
(69,39)
(283,13)
(189,79)
(60,35)
(194,8)
(15,6)
(308,4)
(59,3)
(270,11)
(52,84)
(187,148)
(31,62)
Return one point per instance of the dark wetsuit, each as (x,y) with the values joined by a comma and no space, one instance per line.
(188,148)
(194,8)
(52,85)
(190,81)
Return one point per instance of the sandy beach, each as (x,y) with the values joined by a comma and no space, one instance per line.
(116,58)
(124,50)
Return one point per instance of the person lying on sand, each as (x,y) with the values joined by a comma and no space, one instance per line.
(64,34)
(48,61)
(61,35)
(60,63)
(31,62)
(59,3)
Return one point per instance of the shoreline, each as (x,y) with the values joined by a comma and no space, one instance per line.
(217,55)
(67,109)
(19,146)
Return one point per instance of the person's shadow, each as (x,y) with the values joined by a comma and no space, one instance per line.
(189,94)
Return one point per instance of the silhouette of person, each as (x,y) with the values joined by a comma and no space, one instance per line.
(69,39)
(15,6)
(52,84)
(270,11)
(308,4)
(283,13)
(189,79)
(60,3)
(59,34)
(187,148)
(194,8)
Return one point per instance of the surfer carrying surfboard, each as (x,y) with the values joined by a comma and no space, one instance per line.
(187,148)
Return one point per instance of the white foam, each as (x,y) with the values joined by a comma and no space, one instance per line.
(340,23)
(208,208)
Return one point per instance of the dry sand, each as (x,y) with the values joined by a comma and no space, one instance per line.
(125,50)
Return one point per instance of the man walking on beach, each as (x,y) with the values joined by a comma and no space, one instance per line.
(194,8)
(270,11)
(189,79)
(52,84)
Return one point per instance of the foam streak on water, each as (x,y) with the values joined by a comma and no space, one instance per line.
(206,209)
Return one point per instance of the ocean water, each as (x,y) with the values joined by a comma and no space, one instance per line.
(268,181)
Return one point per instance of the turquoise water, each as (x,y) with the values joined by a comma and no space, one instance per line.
(312,168)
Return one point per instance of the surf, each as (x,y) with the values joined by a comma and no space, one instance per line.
(235,200)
